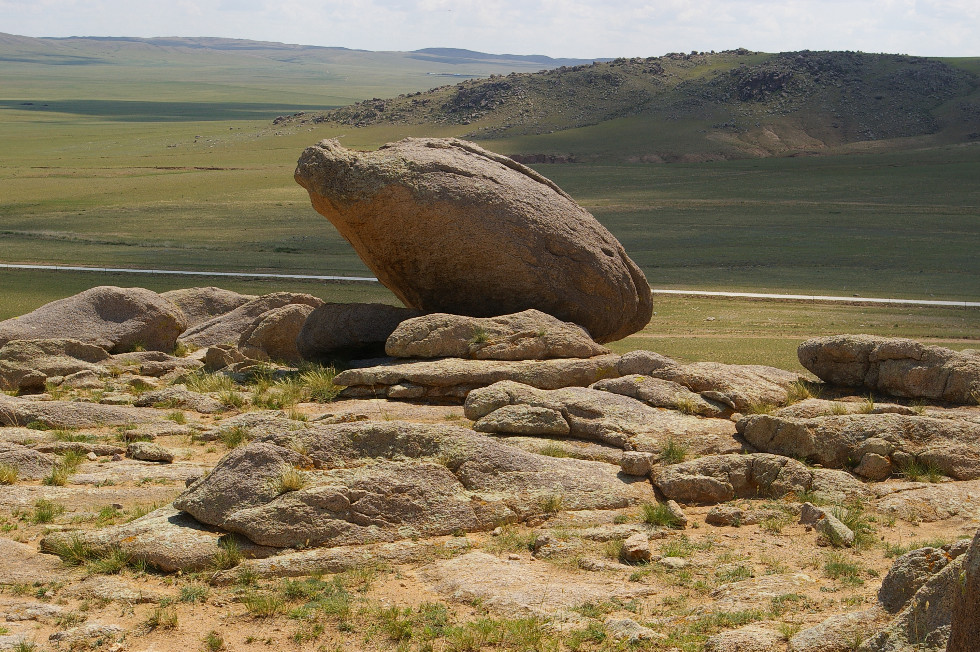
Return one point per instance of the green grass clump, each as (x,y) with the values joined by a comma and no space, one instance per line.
(8,474)
(44,511)
(553,450)
(801,390)
(161,618)
(193,593)
(206,382)
(838,566)
(290,479)
(858,521)
(233,437)
(177,417)
(551,503)
(915,470)
(263,605)
(317,383)
(213,641)
(673,452)
(659,514)
(228,555)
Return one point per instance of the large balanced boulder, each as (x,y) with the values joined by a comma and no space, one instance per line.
(347,329)
(116,319)
(383,481)
(879,444)
(201,304)
(25,365)
(894,366)
(451,227)
(527,335)
(227,328)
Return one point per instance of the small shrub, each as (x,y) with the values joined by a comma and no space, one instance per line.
(229,554)
(659,514)
(867,405)
(8,474)
(213,642)
(233,437)
(290,479)
(788,630)
(177,417)
(480,335)
(673,452)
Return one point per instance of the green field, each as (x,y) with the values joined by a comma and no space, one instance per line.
(131,160)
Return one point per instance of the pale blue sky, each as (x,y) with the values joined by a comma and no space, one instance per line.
(559,28)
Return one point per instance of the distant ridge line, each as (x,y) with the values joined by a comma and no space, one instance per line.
(370,279)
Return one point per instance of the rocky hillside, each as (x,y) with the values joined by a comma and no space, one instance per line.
(730,103)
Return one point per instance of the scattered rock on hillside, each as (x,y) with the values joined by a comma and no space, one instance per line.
(451,227)
(965,627)
(149,452)
(228,327)
(894,366)
(908,574)
(116,319)
(152,363)
(272,336)
(950,445)
(25,365)
(451,379)
(596,416)
(383,481)
(830,528)
(527,335)
(201,304)
(349,329)
(178,396)
(752,638)
(838,633)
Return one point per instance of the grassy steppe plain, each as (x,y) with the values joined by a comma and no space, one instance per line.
(130,164)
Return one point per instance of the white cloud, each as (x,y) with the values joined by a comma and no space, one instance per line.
(573,28)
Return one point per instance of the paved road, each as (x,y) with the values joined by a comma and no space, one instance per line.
(370,279)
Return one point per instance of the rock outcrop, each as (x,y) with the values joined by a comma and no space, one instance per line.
(116,319)
(894,366)
(964,633)
(527,335)
(368,482)
(227,328)
(201,304)
(593,415)
(450,227)
(349,329)
(25,365)
(657,392)
(451,379)
(720,478)
(890,441)
(272,336)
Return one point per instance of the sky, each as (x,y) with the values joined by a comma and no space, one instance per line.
(558,28)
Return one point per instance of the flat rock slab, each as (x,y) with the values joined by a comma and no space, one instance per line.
(30,464)
(26,365)
(23,564)
(522,589)
(370,482)
(165,538)
(15,411)
(451,227)
(527,335)
(950,445)
(720,478)
(454,378)
(758,592)
(899,367)
(227,328)
(934,502)
(657,392)
(594,415)
(110,588)
(82,497)
(201,304)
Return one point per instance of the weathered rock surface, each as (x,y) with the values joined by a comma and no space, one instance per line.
(729,515)
(165,538)
(747,639)
(831,529)
(720,478)
(965,626)
(950,445)
(451,227)
(23,565)
(527,335)
(758,591)
(382,481)
(109,588)
(15,411)
(272,336)
(25,365)
(894,366)
(657,392)
(30,464)
(153,363)
(908,574)
(521,589)
(818,407)
(636,548)
(178,396)
(201,304)
(838,633)
(924,623)
(739,386)
(116,319)
(149,452)
(349,329)
(227,328)
(920,501)
(454,378)
(598,416)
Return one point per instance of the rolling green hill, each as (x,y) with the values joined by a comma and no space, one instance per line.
(700,106)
